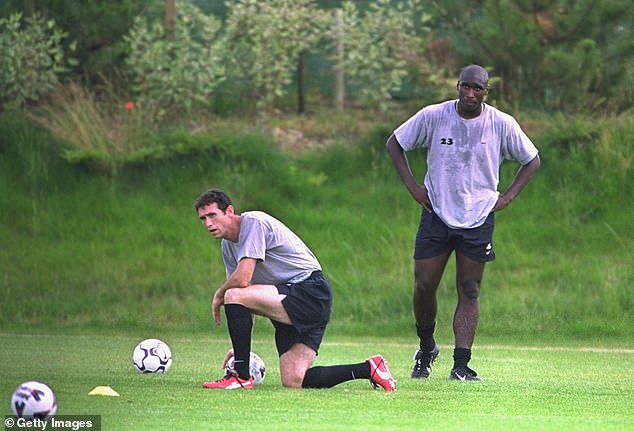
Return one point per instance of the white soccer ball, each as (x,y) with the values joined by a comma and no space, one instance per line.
(152,356)
(34,400)
(257,369)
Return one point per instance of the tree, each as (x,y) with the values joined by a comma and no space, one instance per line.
(570,55)
(264,41)
(380,46)
(97,26)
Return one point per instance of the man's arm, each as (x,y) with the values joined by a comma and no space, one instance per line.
(399,159)
(240,278)
(242,275)
(522,177)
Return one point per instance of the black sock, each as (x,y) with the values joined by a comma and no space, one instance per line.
(426,335)
(461,357)
(327,377)
(240,324)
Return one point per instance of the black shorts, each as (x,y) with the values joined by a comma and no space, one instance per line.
(434,238)
(308,304)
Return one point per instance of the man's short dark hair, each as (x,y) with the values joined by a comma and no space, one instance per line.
(474,73)
(211,196)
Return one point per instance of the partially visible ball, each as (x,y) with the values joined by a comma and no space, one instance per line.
(257,368)
(34,400)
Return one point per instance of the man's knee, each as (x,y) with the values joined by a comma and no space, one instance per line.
(470,289)
(235,296)
(294,365)
(424,288)
(292,373)
(292,380)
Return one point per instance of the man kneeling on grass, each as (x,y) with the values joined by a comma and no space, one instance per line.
(272,273)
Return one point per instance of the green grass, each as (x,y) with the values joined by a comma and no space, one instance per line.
(92,263)
(84,249)
(525,387)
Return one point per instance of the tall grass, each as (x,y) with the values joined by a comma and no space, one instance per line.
(574,232)
(97,127)
(84,248)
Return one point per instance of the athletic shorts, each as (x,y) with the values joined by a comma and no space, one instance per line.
(434,238)
(308,304)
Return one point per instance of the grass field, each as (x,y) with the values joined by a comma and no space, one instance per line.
(524,387)
(93,263)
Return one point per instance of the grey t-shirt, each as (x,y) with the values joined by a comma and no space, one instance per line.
(282,256)
(463,158)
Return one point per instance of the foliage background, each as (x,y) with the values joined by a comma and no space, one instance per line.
(566,56)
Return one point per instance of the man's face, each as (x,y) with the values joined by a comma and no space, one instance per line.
(216,221)
(470,96)
(472,87)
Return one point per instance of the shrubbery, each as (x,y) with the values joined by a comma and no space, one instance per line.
(172,76)
(33,58)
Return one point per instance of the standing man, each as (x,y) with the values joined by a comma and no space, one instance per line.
(272,273)
(466,141)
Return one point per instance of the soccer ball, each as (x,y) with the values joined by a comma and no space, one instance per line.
(257,369)
(152,356)
(34,400)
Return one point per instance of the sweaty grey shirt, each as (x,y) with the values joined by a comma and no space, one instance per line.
(463,158)
(282,256)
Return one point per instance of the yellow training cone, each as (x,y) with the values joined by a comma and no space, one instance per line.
(104,390)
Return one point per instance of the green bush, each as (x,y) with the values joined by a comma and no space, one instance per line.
(175,76)
(32,59)
(380,46)
(264,41)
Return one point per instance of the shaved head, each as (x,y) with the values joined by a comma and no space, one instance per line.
(474,74)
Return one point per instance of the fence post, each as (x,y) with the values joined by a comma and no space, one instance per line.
(170,18)
(301,88)
(339,76)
